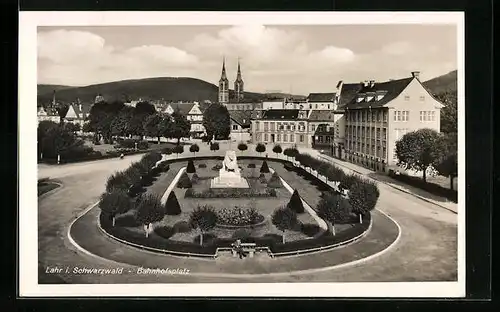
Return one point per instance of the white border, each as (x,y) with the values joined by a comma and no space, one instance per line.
(28,247)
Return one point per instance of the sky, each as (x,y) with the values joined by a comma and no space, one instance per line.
(296,59)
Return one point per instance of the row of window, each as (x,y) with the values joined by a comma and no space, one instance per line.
(401,115)
(369,149)
(280,138)
(427,115)
(364,132)
(367,115)
(272,126)
(239,106)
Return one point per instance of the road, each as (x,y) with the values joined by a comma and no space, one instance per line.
(426,251)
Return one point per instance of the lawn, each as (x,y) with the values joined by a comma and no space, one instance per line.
(46,186)
(308,190)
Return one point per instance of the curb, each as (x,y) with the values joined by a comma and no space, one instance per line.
(60,187)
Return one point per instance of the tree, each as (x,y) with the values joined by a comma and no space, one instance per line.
(242,147)
(180,126)
(274,181)
(418,150)
(62,110)
(149,210)
(190,167)
(217,122)
(118,181)
(172,206)
(167,151)
(447,164)
(114,203)
(214,146)
(264,168)
(324,169)
(284,219)
(120,124)
(260,148)
(194,148)
(363,196)
(152,125)
(178,149)
(101,119)
(277,149)
(449,112)
(290,152)
(58,140)
(295,203)
(165,125)
(203,218)
(333,208)
(72,127)
(42,130)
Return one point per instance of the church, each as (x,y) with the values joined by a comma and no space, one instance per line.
(224,96)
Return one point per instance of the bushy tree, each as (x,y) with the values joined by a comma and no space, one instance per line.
(290,152)
(324,169)
(295,203)
(203,218)
(447,164)
(167,151)
(172,206)
(284,219)
(62,111)
(180,126)
(152,125)
(194,148)
(264,168)
(190,167)
(418,150)
(333,208)
(184,181)
(275,181)
(149,210)
(260,148)
(214,146)
(217,122)
(242,147)
(449,112)
(120,124)
(277,149)
(178,149)
(363,196)
(115,202)
(118,181)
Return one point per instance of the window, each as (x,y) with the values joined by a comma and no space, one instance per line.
(265,137)
(292,127)
(292,137)
(407,97)
(235,127)
(378,133)
(310,106)
(328,106)
(385,115)
(406,114)
(301,138)
(433,115)
(422,98)
(373,116)
(320,139)
(285,137)
(278,137)
(316,106)
(421,116)
(266,127)
(312,127)
(272,126)
(385,134)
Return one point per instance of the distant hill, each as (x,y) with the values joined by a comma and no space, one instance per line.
(447,82)
(166,88)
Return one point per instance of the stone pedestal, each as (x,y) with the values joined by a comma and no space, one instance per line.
(229,175)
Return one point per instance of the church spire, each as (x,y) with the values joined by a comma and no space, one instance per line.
(238,76)
(223,84)
(223,75)
(238,84)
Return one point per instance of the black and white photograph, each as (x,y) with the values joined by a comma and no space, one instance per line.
(242,154)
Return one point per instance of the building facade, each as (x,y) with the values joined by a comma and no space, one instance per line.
(194,115)
(381,113)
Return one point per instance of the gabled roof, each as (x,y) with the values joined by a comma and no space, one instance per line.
(243,118)
(392,89)
(323,129)
(321,97)
(348,92)
(278,114)
(184,108)
(323,115)
(82,113)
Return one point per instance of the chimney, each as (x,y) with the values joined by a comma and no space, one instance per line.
(372,83)
(415,74)
(365,83)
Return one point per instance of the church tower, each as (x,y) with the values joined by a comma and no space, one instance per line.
(238,85)
(223,85)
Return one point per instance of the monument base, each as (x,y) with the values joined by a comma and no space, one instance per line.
(229,181)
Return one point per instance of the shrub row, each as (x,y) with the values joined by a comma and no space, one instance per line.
(427,186)
(238,216)
(230,193)
(130,143)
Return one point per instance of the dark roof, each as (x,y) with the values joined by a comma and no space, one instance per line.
(243,118)
(323,129)
(277,114)
(184,108)
(348,92)
(323,115)
(321,97)
(391,88)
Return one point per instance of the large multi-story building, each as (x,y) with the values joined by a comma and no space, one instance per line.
(380,113)
(284,126)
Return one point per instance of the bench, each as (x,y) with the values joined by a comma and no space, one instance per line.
(246,247)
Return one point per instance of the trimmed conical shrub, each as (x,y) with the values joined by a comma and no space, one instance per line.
(184,181)
(264,167)
(295,203)
(262,178)
(190,167)
(195,179)
(275,181)
(172,206)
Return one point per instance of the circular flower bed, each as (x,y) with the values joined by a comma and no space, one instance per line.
(238,217)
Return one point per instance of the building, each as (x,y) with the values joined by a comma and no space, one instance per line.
(283,126)
(47,113)
(223,85)
(322,101)
(193,113)
(241,122)
(77,113)
(380,113)
(232,98)
(328,130)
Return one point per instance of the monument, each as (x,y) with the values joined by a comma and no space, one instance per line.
(229,175)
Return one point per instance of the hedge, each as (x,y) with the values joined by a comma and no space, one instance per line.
(230,193)
(426,186)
